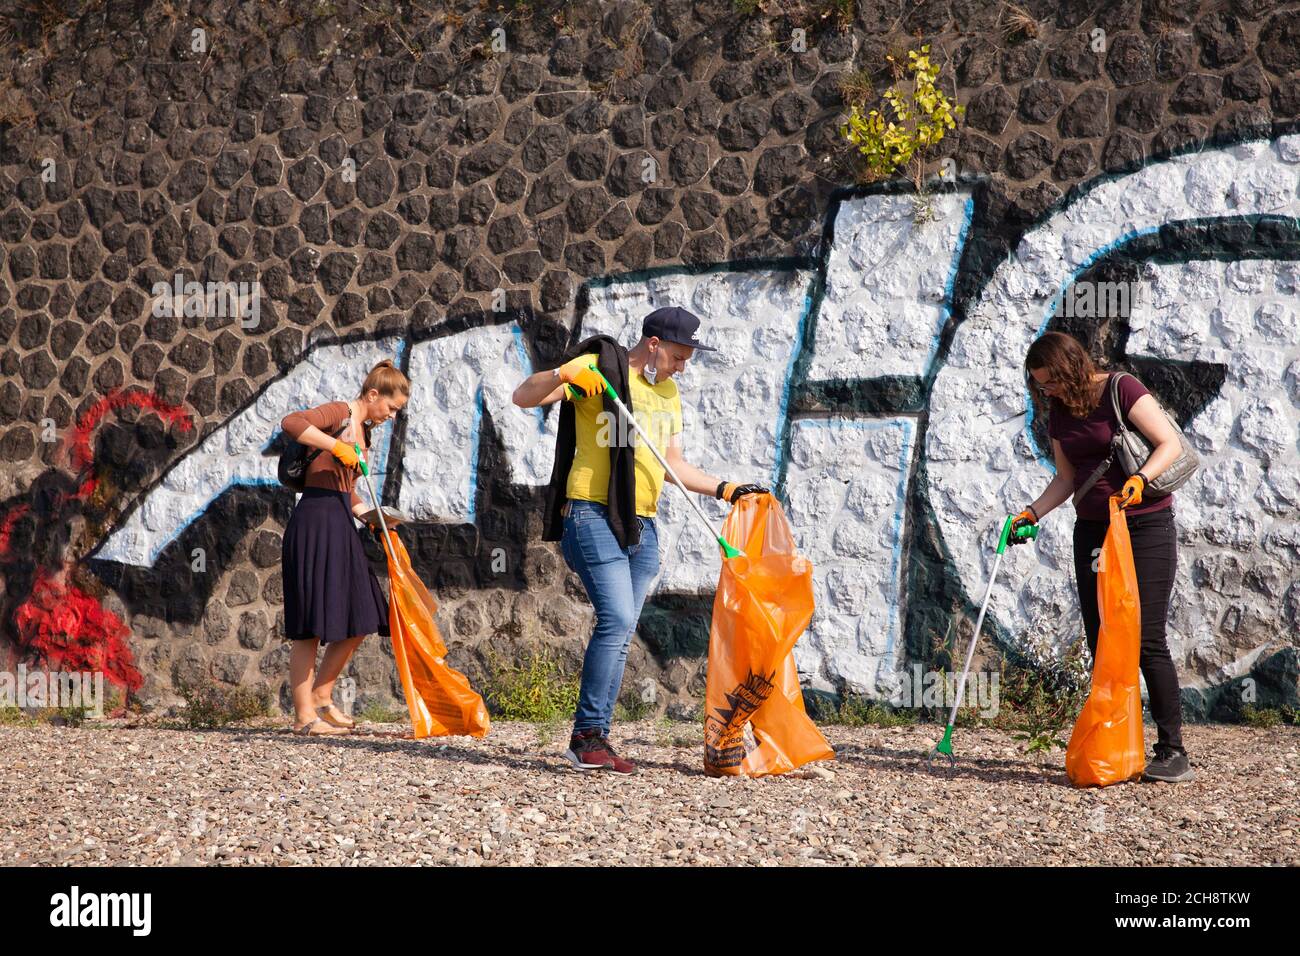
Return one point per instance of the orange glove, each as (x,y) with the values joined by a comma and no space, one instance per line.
(579,374)
(1132,490)
(1025,517)
(346,454)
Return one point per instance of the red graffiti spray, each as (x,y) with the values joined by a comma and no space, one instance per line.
(83,457)
(67,629)
(7,528)
(58,624)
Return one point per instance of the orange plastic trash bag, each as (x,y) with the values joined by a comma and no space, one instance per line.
(1106,746)
(440,699)
(755,722)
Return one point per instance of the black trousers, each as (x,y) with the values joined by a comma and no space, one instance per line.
(1155,558)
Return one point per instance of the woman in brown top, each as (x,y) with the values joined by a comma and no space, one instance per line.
(331,595)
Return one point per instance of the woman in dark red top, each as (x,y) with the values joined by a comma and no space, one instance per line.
(331,595)
(1064,381)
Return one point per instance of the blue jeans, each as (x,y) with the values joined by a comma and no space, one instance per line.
(616,580)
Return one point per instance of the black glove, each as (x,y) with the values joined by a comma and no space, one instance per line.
(1026,517)
(732,492)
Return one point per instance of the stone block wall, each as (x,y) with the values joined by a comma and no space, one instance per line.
(467,187)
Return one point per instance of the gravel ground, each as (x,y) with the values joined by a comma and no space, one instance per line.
(112,793)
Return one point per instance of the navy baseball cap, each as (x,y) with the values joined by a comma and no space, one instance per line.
(674,324)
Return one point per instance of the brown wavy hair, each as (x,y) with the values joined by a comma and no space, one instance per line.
(388,380)
(1070,365)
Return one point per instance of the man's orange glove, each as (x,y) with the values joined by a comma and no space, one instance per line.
(346,454)
(1132,490)
(580,375)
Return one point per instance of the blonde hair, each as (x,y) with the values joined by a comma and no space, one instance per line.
(387,379)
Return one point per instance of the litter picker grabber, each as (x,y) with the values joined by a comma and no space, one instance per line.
(374,500)
(1027,531)
(440,698)
(727,549)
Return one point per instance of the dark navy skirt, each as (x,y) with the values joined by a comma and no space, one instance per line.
(330,592)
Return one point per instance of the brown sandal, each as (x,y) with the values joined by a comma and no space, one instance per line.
(324,713)
(318,728)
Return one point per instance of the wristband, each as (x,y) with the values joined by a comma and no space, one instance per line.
(1032,511)
(717,493)
(1145,480)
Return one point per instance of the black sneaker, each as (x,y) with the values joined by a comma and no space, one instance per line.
(1169,766)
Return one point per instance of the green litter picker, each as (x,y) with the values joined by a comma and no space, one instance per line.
(1028,531)
(727,549)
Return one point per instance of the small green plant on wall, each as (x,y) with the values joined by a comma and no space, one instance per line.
(919,118)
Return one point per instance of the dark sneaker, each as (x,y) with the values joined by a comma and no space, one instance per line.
(587,751)
(590,750)
(620,765)
(1169,766)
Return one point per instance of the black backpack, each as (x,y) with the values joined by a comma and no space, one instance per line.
(292,470)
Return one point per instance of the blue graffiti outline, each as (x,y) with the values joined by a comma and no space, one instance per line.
(949,286)
(783,410)
(475,425)
(379,466)
(527,365)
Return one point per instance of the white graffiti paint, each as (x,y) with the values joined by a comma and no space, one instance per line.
(981,460)
(888,286)
(888,294)
(847,484)
(888,291)
(454,379)
(1240,514)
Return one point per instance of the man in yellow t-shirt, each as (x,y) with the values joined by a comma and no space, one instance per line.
(616,562)
(658,410)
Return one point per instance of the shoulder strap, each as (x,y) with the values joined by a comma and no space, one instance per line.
(1095,476)
(311,455)
(1114,398)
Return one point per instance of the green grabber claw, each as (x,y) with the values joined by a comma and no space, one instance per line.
(1025,531)
(727,549)
(943,747)
(361,462)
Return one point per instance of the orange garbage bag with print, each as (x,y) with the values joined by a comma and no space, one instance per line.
(754,721)
(1106,746)
(440,699)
